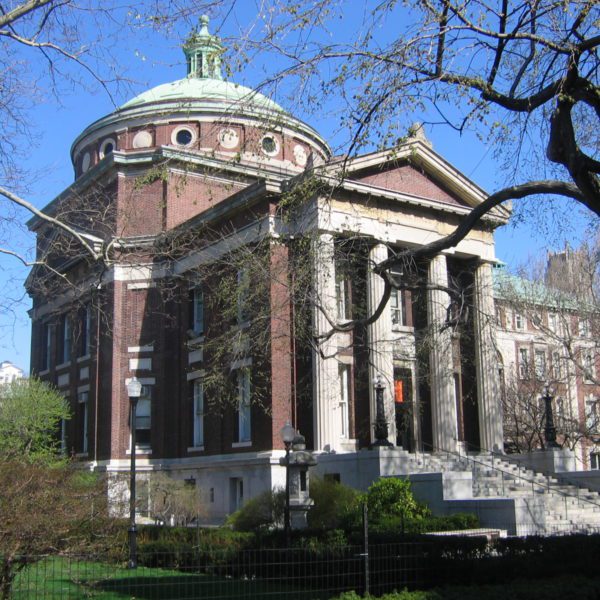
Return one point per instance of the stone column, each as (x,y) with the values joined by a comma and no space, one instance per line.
(325,366)
(441,371)
(380,345)
(486,362)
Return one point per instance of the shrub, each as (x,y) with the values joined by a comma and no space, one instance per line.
(336,506)
(391,497)
(262,512)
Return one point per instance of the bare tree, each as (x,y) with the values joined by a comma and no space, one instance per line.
(523,76)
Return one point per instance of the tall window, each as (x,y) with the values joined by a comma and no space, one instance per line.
(85,325)
(243,293)
(523,363)
(584,327)
(592,413)
(589,370)
(553,322)
(397,305)
(82,421)
(556,365)
(540,364)
(143,421)
(519,322)
(65,326)
(595,460)
(198,413)
(342,295)
(344,377)
(46,346)
(244,407)
(197,310)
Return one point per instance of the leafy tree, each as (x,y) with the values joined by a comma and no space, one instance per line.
(47,510)
(46,504)
(30,416)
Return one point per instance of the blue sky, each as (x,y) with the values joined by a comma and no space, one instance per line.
(151,59)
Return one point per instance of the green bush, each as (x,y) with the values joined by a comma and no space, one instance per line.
(391,497)
(403,595)
(551,589)
(262,512)
(336,506)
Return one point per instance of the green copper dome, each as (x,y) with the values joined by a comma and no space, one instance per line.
(193,89)
(204,80)
(201,95)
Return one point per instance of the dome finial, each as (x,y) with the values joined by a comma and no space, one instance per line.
(203,53)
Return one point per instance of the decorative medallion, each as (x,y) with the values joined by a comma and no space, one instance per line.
(300,156)
(142,139)
(229,138)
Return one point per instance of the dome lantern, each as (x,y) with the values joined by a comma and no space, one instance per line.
(203,53)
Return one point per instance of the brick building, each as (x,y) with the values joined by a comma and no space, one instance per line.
(227,252)
(548,334)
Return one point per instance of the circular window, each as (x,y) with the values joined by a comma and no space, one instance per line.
(183,136)
(107,147)
(142,139)
(269,145)
(85,163)
(228,138)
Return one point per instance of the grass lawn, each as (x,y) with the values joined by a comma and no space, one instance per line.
(62,578)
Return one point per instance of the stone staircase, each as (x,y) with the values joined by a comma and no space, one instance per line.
(545,504)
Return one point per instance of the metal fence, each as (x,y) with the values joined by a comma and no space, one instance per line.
(318,572)
(267,573)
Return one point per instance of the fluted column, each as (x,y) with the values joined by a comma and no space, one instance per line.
(380,345)
(325,366)
(441,372)
(486,362)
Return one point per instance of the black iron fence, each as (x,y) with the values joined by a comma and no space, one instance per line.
(296,573)
(308,573)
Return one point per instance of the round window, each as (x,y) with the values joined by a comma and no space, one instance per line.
(184,137)
(107,147)
(269,145)
(85,163)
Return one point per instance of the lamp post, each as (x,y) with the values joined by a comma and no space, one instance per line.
(134,391)
(288,434)
(549,429)
(381,428)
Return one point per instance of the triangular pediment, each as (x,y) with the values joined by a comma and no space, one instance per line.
(413,170)
(405,177)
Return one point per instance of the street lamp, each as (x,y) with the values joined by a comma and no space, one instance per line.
(288,434)
(381,428)
(134,391)
(549,429)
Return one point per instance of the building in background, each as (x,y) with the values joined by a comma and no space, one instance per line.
(548,336)
(9,372)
